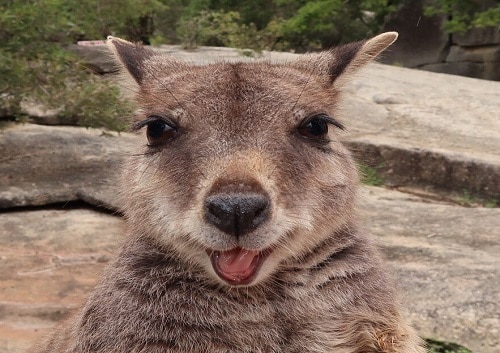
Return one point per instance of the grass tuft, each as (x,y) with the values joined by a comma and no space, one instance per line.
(369,175)
(437,346)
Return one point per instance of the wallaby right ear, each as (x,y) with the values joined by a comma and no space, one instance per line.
(341,62)
(131,56)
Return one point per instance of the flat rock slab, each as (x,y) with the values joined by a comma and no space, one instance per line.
(49,262)
(422,128)
(446,261)
(42,165)
(444,258)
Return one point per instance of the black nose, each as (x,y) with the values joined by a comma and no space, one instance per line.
(236,213)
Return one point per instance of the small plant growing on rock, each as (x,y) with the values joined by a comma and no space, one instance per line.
(437,346)
(369,175)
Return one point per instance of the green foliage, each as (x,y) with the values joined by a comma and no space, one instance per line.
(35,68)
(219,28)
(369,175)
(258,12)
(492,203)
(281,24)
(132,19)
(468,199)
(437,346)
(325,23)
(465,14)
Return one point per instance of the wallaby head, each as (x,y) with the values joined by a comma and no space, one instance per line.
(242,169)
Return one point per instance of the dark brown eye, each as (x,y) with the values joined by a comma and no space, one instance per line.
(315,127)
(160,131)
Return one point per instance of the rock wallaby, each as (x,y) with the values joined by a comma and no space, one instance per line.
(242,233)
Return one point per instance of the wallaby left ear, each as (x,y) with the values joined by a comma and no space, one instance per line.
(131,56)
(349,58)
(342,61)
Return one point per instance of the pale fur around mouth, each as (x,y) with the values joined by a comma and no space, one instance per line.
(238,266)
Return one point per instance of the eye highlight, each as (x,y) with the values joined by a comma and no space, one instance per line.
(159,130)
(316,127)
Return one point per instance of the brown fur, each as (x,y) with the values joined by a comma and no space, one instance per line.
(322,289)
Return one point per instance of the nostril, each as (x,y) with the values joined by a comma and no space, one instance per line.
(236,213)
(260,211)
(261,208)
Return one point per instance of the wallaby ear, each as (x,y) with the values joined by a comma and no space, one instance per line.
(131,56)
(340,62)
(369,50)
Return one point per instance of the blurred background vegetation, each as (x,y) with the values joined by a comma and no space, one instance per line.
(37,67)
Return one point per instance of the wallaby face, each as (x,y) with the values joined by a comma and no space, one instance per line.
(242,167)
(241,229)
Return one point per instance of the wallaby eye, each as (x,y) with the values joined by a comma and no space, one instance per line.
(158,130)
(314,127)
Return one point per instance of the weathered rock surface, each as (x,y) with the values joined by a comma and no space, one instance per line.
(447,264)
(96,57)
(42,165)
(444,258)
(478,36)
(49,261)
(427,129)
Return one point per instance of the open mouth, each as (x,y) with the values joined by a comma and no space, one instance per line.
(238,266)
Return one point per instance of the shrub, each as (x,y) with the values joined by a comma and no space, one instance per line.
(36,69)
(465,14)
(220,28)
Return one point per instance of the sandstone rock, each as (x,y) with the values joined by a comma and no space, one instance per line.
(403,165)
(479,61)
(478,36)
(445,260)
(492,70)
(97,58)
(426,129)
(41,114)
(49,262)
(467,69)
(474,54)
(43,165)
(423,44)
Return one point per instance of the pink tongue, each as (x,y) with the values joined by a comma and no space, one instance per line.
(236,261)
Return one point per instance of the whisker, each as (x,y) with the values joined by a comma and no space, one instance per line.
(166,88)
(301,92)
